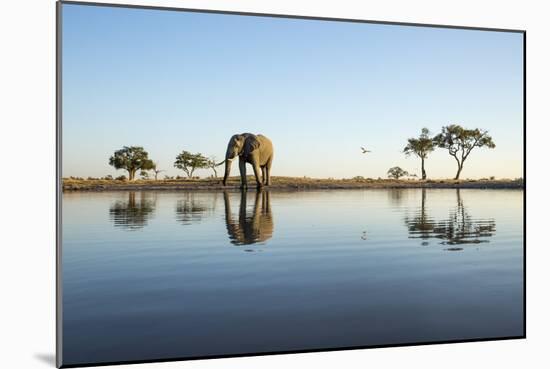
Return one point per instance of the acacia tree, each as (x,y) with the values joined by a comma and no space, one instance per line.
(188,162)
(460,142)
(397,172)
(156,170)
(420,147)
(211,163)
(132,159)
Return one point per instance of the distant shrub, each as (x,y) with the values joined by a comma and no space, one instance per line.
(168,177)
(121,178)
(492,178)
(358,178)
(108,177)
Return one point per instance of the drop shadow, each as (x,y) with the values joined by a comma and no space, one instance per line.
(46,358)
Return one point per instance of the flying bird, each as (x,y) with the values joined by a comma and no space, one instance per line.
(365,150)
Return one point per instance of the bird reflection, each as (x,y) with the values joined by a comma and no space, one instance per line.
(460,228)
(191,209)
(133,213)
(251,226)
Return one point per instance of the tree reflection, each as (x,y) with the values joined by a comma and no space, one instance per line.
(251,226)
(421,225)
(458,229)
(396,196)
(192,209)
(133,213)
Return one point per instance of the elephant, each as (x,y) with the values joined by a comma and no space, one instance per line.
(252,227)
(256,150)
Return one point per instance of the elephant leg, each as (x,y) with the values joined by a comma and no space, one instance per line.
(257,174)
(268,172)
(242,168)
(264,174)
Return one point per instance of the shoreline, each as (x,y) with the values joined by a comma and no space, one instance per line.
(281,183)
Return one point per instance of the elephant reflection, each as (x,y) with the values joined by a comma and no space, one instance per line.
(252,226)
(458,229)
(134,213)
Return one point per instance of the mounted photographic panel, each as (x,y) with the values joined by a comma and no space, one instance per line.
(234,184)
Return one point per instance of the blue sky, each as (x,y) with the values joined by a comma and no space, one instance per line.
(172,81)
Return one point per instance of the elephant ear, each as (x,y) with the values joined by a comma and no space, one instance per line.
(250,144)
(234,139)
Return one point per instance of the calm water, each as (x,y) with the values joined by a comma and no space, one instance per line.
(153,275)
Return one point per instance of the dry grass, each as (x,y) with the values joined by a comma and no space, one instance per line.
(70,184)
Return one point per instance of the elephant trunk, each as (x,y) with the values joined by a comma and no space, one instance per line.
(227,170)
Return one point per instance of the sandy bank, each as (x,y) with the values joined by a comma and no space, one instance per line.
(282,183)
